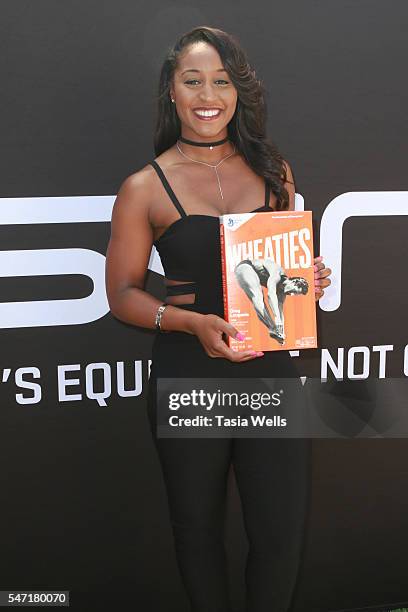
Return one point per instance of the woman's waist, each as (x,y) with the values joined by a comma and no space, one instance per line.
(196,296)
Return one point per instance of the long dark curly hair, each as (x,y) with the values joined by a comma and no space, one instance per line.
(247,128)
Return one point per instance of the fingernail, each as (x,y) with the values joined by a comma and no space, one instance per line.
(240,336)
(320,257)
(253,352)
(260,353)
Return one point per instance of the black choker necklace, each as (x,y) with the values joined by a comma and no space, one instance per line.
(203,144)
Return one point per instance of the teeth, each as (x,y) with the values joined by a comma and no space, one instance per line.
(207,113)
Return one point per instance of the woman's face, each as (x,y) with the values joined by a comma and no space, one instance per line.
(205,97)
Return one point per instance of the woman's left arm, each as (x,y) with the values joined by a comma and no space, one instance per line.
(321,273)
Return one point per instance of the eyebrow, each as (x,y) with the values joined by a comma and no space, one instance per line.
(195,70)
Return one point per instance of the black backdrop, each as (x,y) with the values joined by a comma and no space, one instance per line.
(83,504)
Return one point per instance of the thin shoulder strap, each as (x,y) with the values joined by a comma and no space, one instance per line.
(167,187)
(267,193)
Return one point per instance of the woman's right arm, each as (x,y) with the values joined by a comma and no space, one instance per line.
(127,259)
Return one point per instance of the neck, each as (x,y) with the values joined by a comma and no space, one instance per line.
(205,154)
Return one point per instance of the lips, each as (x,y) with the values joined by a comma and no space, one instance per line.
(207,114)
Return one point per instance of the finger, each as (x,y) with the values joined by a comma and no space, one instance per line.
(232,331)
(319,258)
(318,266)
(239,356)
(324,282)
(246,355)
(225,351)
(323,273)
(250,357)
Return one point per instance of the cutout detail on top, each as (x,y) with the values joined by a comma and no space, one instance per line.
(180,292)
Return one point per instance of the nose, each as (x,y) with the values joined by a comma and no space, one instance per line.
(207,92)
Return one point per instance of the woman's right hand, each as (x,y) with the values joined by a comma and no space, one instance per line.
(210,328)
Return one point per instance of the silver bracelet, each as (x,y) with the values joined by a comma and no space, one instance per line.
(159,315)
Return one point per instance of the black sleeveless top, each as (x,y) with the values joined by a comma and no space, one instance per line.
(190,251)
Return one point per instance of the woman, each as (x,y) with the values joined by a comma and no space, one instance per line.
(213,153)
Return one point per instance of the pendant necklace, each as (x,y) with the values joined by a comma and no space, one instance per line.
(205,163)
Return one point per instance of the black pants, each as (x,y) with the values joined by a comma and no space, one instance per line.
(273,481)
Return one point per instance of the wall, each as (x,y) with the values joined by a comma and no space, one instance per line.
(83,503)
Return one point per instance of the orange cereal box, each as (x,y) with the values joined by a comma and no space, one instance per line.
(268,279)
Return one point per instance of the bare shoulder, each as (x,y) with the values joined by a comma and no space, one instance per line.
(136,188)
(141,186)
(135,198)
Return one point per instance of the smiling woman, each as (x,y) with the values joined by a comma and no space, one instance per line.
(212,157)
(202,96)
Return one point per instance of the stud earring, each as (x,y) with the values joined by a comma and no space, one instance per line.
(173,100)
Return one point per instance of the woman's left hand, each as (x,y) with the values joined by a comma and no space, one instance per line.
(321,274)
